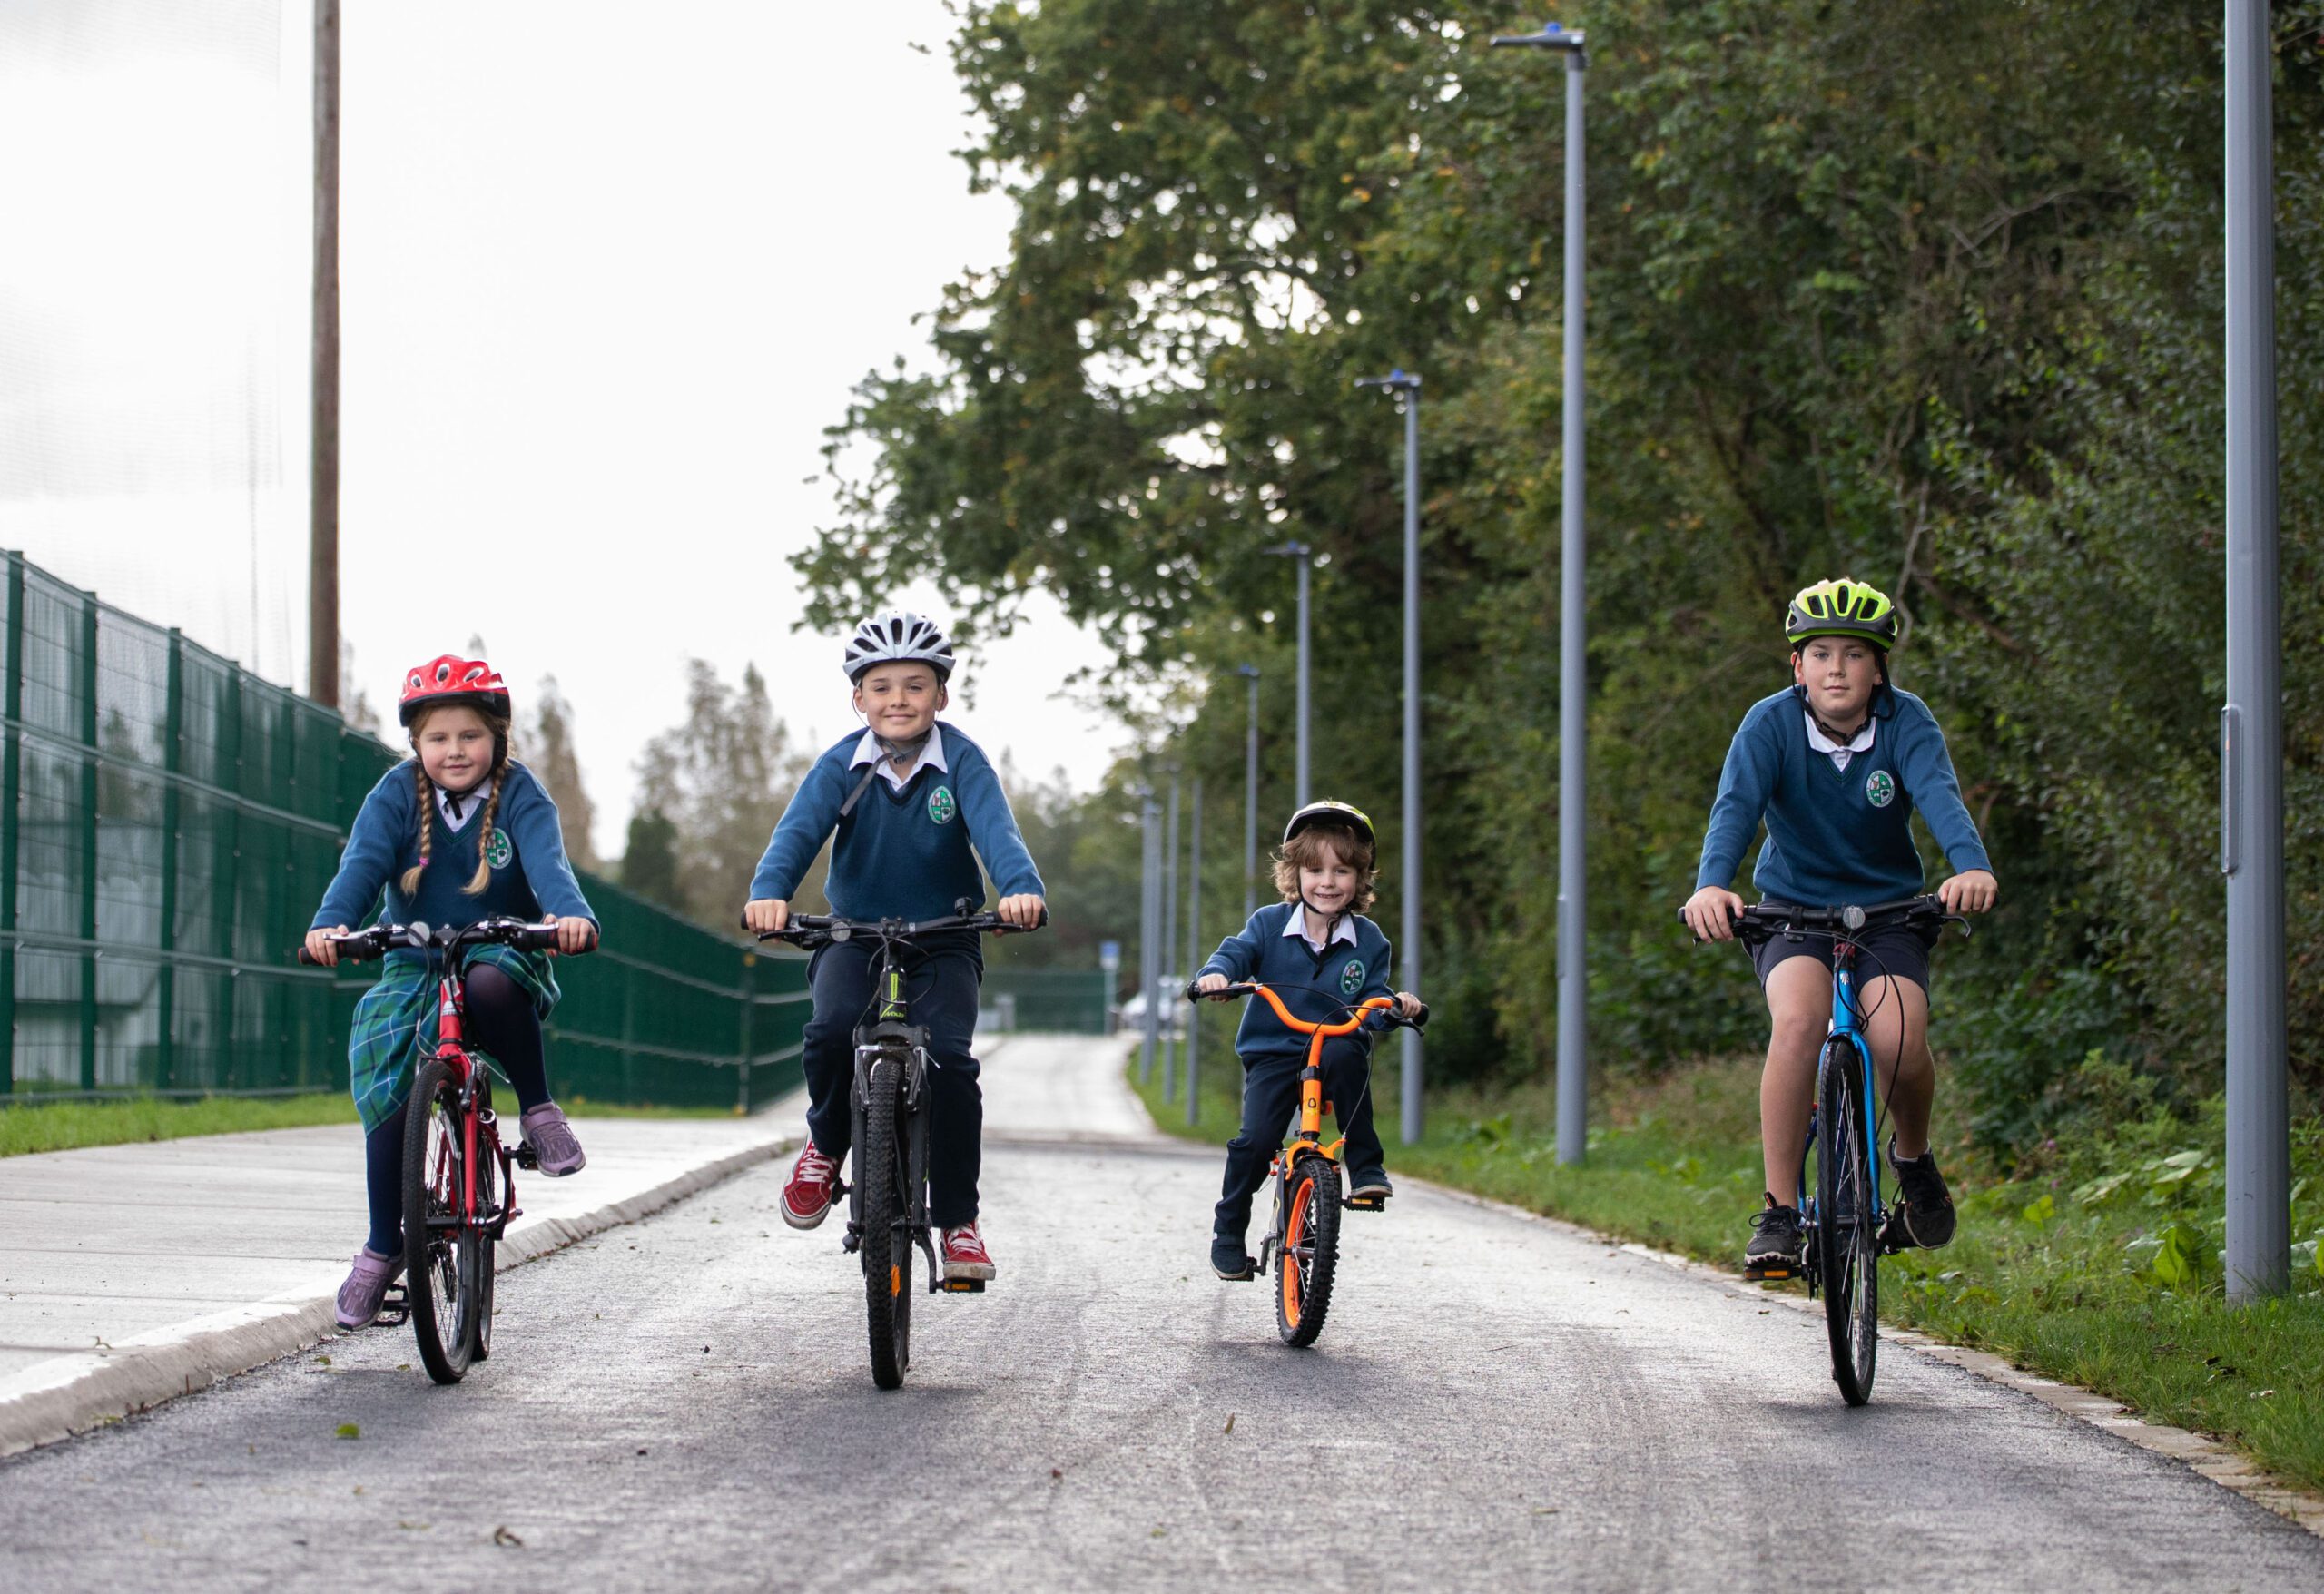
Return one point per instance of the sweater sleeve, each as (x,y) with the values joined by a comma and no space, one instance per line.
(1378,981)
(531,818)
(1745,784)
(806,825)
(992,827)
(380,828)
(1927,765)
(1239,954)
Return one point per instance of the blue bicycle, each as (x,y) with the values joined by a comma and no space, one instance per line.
(1844,1228)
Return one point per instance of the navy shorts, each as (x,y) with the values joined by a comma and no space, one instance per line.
(1900,951)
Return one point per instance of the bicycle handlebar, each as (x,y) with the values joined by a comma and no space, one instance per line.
(362,946)
(1763,921)
(815,929)
(1385,1005)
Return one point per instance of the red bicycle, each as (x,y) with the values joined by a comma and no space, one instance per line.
(459,1178)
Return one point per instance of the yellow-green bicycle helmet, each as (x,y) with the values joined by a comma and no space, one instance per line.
(1844,607)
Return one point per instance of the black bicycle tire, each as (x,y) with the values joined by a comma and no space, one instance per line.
(887,1251)
(480,1259)
(1303,1296)
(432,1290)
(1844,1231)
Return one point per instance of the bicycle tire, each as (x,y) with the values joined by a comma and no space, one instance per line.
(880,1173)
(481,1259)
(1847,1237)
(1309,1256)
(433,1274)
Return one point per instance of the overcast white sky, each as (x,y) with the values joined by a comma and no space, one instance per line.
(608,271)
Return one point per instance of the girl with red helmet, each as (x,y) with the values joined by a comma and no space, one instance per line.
(458,832)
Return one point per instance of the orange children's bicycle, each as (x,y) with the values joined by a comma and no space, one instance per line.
(1304,1240)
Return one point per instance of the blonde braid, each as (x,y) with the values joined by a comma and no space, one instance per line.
(426,823)
(499,779)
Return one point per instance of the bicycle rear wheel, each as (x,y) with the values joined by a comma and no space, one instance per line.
(1311,1250)
(436,1275)
(882,1174)
(1847,1246)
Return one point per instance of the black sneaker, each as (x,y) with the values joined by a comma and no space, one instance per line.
(1369,1192)
(1229,1261)
(1775,1251)
(1924,1209)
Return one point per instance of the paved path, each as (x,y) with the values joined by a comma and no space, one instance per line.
(1497,1403)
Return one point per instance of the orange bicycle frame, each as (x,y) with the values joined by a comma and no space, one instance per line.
(1311,1077)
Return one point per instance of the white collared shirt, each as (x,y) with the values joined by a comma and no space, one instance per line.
(1862,742)
(867,750)
(1296,925)
(470,801)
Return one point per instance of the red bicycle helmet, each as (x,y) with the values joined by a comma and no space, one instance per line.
(452,681)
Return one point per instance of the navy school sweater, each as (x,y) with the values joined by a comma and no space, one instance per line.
(907,854)
(1836,836)
(530,874)
(1319,986)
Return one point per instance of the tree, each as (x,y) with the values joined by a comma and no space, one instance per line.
(547,749)
(722,779)
(649,860)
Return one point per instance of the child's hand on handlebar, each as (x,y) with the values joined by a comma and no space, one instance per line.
(1212,983)
(1408,1006)
(573,936)
(766,915)
(1710,913)
(1024,913)
(322,948)
(1972,891)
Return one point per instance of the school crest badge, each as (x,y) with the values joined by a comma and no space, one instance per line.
(1352,976)
(497,850)
(942,806)
(1880,787)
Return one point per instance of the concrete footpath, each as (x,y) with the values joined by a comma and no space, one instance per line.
(130,1274)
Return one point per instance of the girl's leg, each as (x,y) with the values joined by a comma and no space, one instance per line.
(383,1185)
(1799,1007)
(500,1017)
(1897,1025)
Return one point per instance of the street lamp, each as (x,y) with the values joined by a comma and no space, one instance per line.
(1406,388)
(1194,959)
(1149,924)
(1168,982)
(1572,746)
(2251,776)
(1304,554)
(1251,796)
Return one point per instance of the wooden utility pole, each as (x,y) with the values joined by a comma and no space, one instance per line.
(322,455)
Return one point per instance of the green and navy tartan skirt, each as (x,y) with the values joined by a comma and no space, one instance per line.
(395,1023)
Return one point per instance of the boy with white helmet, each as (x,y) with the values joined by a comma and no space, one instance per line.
(913,804)
(1836,764)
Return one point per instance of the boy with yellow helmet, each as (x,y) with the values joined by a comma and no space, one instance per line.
(1837,766)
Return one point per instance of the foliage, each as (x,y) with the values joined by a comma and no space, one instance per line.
(546,748)
(720,780)
(1929,295)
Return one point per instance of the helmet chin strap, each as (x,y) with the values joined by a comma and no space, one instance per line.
(1332,918)
(900,753)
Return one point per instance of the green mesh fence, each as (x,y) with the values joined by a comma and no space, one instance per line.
(1070,1001)
(168,823)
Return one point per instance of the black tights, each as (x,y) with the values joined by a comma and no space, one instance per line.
(500,1020)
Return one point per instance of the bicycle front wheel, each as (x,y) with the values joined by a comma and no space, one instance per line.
(436,1277)
(1848,1244)
(478,1259)
(881,1173)
(1311,1250)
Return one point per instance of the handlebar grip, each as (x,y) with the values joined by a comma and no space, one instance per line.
(534,940)
(308,958)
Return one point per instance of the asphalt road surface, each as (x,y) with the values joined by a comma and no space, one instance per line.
(1496,1403)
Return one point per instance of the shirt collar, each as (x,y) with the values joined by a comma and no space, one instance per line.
(1860,742)
(469,802)
(1296,926)
(867,750)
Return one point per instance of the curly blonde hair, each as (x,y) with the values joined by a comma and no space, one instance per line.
(1307,850)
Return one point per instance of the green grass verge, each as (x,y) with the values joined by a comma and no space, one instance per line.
(2098,1266)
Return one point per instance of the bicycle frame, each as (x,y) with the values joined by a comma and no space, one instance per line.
(1311,1077)
(452,1051)
(892,1034)
(1846,1025)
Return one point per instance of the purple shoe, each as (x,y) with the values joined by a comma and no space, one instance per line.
(552,1140)
(360,1297)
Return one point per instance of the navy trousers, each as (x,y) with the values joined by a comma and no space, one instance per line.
(940,980)
(1270,1103)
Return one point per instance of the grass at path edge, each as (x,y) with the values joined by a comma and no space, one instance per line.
(72,1126)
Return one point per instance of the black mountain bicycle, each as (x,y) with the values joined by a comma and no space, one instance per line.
(887,1199)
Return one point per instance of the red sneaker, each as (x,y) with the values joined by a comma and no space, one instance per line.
(807,1197)
(965,1255)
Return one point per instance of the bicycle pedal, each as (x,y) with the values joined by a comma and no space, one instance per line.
(526,1158)
(395,1307)
(1774,1274)
(1365,1204)
(959,1286)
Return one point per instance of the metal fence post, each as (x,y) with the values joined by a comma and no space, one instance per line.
(1170,941)
(86,685)
(1193,955)
(165,1059)
(11,784)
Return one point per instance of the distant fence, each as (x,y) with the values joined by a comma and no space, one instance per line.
(168,823)
(1058,999)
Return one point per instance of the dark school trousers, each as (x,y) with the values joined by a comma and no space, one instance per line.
(940,980)
(1270,1102)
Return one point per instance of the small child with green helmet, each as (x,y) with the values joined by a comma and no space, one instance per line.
(1836,764)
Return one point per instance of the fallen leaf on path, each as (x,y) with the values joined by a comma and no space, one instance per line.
(506,1539)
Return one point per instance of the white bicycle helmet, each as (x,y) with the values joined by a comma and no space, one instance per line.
(899,637)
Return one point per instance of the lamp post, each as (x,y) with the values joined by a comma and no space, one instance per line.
(2252,790)
(1193,955)
(1305,556)
(1169,947)
(1406,388)
(1573,983)
(1251,796)
(1149,916)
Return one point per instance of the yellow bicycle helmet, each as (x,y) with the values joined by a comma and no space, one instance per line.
(1844,607)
